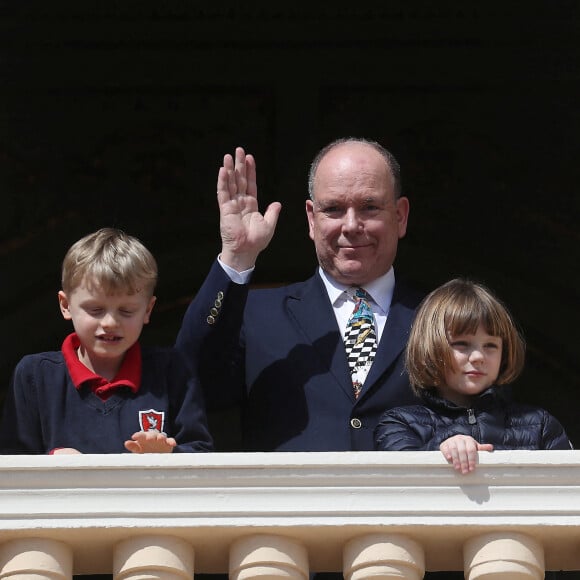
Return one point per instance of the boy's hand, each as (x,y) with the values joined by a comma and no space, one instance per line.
(150,442)
(461,451)
(65,451)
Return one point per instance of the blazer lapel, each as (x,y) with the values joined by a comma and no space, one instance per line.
(310,308)
(393,341)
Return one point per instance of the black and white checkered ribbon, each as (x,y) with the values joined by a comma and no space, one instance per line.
(360,339)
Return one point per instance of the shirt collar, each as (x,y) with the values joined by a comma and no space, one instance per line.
(129,374)
(381,290)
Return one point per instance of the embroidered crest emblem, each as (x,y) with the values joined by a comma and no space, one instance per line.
(152,419)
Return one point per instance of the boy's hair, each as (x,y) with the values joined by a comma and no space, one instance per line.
(459,307)
(112,260)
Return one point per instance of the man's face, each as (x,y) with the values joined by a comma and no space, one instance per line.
(355,220)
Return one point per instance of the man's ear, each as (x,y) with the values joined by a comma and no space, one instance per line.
(402,215)
(310,217)
(64,307)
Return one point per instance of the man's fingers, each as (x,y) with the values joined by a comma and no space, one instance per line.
(228,162)
(272,214)
(226,185)
(240,172)
(240,157)
(251,183)
(237,176)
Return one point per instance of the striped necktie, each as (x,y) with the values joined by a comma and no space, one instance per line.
(360,339)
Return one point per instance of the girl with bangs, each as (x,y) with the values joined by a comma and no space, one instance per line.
(463,352)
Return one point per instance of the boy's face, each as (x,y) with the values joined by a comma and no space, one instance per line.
(106,324)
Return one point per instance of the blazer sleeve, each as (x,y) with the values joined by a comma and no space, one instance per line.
(210,338)
(189,417)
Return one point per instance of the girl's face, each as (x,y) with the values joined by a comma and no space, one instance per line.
(477,364)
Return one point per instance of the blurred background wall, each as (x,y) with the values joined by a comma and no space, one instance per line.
(119,114)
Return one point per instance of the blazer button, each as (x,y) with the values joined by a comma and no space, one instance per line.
(355,423)
(210,320)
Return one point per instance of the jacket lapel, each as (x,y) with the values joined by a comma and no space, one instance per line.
(393,340)
(310,310)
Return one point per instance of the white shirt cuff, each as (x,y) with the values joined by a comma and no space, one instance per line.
(234,275)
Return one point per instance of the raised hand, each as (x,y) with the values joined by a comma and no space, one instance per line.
(245,232)
(461,451)
(151,441)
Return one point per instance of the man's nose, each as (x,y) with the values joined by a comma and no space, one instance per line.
(352,220)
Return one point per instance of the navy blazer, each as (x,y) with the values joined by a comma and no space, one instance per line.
(279,352)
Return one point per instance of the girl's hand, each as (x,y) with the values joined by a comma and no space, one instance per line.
(461,451)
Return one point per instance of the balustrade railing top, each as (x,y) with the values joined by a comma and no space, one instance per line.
(323,500)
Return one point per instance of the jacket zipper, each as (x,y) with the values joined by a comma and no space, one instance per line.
(472,420)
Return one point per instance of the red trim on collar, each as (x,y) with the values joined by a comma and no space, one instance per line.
(129,374)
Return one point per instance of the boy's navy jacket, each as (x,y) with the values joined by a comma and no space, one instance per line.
(493,418)
(43,409)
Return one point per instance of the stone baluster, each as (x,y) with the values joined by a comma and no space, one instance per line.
(268,557)
(505,556)
(383,557)
(36,559)
(153,557)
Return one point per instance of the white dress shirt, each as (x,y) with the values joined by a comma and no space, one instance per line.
(380,290)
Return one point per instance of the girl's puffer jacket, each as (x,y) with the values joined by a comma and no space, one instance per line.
(492,418)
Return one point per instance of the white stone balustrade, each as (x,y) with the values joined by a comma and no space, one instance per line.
(284,515)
